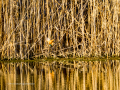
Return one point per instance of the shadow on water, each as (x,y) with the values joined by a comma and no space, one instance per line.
(56,75)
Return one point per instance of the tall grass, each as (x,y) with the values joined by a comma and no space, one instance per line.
(78,27)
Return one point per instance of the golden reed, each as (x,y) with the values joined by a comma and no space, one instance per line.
(78,27)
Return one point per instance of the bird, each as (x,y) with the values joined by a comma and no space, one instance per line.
(50,42)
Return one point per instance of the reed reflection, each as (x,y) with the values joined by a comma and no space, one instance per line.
(70,75)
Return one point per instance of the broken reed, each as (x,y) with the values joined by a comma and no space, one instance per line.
(78,27)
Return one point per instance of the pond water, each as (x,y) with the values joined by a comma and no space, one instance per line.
(60,75)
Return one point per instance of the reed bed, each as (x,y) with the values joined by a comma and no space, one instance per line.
(69,75)
(78,27)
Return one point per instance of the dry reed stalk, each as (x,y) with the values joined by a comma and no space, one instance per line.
(11,28)
(117,30)
(83,39)
(72,27)
(24,5)
(95,33)
(44,43)
(76,27)
(61,25)
(66,25)
(47,20)
(97,29)
(38,25)
(41,24)
(34,27)
(2,27)
(27,36)
(113,30)
(7,26)
(59,33)
(56,28)
(1,18)
(21,28)
(88,26)
(105,29)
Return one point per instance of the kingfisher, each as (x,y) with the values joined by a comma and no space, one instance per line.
(50,42)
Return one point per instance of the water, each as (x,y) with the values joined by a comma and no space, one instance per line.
(60,75)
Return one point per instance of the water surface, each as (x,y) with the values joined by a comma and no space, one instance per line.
(60,75)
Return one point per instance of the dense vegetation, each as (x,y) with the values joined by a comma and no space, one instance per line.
(78,27)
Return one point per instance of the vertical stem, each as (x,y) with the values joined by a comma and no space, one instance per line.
(94,26)
(66,25)
(89,26)
(47,19)
(8,28)
(43,26)
(34,25)
(1,21)
(27,36)
(11,27)
(2,28)
(38,24)
(72,7)
(21,22)
(83,42)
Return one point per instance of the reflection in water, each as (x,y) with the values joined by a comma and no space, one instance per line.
(71,75)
